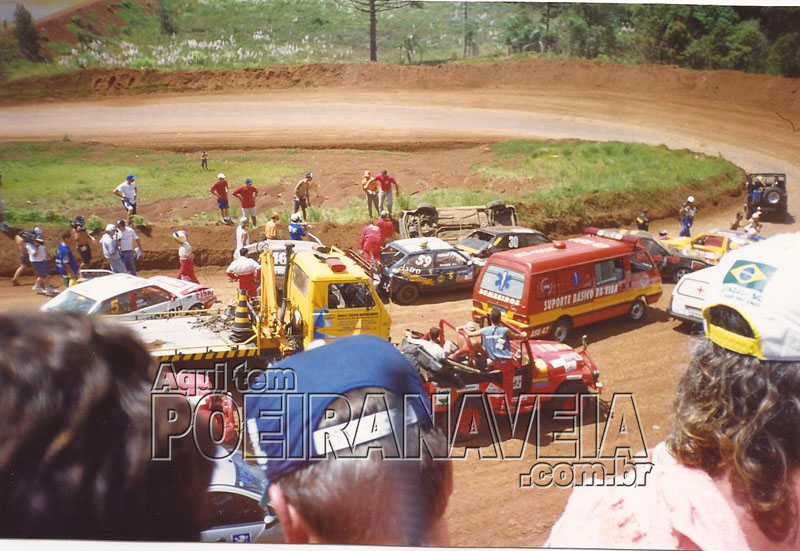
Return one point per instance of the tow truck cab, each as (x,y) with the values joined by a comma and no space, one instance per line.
(334,297)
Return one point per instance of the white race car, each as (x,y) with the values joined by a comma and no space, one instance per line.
(690,294)
(123,293)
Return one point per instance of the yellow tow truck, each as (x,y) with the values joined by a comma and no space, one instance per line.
(327,295)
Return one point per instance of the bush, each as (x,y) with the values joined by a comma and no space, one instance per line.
(94,223)
(138,222)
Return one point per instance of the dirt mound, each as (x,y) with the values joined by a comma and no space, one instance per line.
(534,75)
(92,18)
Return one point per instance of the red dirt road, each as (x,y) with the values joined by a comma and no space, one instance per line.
(488,507)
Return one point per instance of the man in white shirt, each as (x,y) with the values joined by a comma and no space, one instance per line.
(37,254)
(127,192)
(130,249)
(242,236)
(110,247)
(430,345)
(245,271)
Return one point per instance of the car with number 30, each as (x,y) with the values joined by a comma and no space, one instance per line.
(484,242)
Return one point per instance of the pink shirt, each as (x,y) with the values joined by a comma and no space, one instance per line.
(678,508)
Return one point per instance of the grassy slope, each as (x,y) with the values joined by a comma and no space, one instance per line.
(226,34)
(560,183)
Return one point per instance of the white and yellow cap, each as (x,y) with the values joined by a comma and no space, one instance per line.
(760,282)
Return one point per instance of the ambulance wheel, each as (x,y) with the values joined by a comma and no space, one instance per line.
(406,294)
(638,310)
(561,329)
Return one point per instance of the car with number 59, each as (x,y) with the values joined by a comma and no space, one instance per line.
(124,294)
(423,264)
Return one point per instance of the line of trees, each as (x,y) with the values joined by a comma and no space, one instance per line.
(753,39)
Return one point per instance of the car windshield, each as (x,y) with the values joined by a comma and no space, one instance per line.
(70,301)
(390,256)
(477,240)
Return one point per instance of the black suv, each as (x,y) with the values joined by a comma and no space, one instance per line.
(766,191)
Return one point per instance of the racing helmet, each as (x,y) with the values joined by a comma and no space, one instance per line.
(309,175)
(37,231)
(180,236)
(78,222)
(296,217)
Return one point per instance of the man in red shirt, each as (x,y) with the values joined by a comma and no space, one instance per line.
(247,195)
(385,192)
(220,190)
(371,242)
(387,226)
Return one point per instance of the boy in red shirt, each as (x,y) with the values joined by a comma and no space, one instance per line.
(220,190)
(371,242)
(387,226)
(247,195)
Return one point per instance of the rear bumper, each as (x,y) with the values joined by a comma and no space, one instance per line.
(684,317)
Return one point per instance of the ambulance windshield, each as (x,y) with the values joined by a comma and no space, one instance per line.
(500,280)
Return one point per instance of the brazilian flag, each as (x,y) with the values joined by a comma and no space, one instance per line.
(750,275)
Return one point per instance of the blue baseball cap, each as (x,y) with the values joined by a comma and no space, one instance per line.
(248,181)
(129,177)
(282,424)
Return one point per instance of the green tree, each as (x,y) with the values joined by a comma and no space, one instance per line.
(27,36)
(784,57)
(373,8)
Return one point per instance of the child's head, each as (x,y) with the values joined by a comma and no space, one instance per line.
(66,237)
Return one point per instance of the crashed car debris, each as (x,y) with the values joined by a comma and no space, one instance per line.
(453,223)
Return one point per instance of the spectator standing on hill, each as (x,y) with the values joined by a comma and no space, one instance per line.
(688,212)
(185,256)
(204,160)
(242,235)
(83,240)
(385,200)
(219,189)
(38,255)
(386,225)
(66,265)
(272,230)
(642,221)
(111,253)
(728,475)
(370,188)
(128,193)
(130,248)
(302,194)
(247,195)
(371,242)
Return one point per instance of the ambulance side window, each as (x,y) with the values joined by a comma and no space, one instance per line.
(300,280)
(609,271)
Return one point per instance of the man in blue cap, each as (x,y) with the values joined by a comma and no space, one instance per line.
(128,193)
(350,449)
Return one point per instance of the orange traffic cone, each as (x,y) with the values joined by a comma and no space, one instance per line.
(242,328)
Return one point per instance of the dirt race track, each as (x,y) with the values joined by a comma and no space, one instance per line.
(678,108)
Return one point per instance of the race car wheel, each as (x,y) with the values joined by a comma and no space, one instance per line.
(679,273)
(573,389)
(638,310)
(196,306)
(773,196)
(406,294)
(561,329)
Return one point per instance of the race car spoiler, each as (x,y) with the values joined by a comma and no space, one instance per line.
(609,234)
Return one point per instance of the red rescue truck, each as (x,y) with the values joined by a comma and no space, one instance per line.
(552,288)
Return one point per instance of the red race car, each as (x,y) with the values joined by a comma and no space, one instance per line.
(540,372)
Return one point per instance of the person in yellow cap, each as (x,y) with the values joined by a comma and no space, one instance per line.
(271,229)
(370,188)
